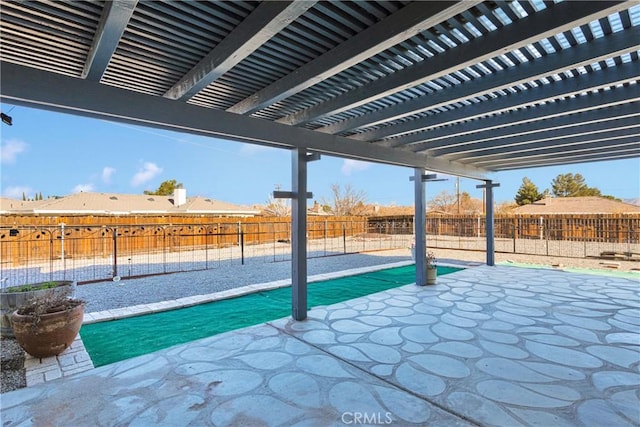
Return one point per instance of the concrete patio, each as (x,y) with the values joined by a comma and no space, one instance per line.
(499,346)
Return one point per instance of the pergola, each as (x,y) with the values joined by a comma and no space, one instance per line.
(464,88)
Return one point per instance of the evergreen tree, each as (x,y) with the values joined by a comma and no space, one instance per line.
(570,185)
(24,197)
(166,188)
(527,193)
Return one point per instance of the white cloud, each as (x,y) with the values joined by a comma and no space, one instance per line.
(107,173)
(83,188)
(9,150)
(349,166)
(145,174)
(17,192)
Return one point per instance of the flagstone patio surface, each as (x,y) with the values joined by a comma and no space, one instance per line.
(487,346)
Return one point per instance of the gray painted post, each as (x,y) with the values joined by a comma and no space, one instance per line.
(299,235)
(420,227)
(488,186)
(490,230)
(298,196)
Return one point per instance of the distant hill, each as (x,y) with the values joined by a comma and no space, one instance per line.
(635,201)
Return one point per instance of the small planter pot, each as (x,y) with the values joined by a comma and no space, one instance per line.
(52,335)
(10,301)
(432,274)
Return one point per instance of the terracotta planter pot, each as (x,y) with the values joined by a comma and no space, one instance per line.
(10,301)
(53,335)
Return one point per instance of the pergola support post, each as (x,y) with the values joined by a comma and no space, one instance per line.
(419,179)
(299,197)
(489,226)
(420,225)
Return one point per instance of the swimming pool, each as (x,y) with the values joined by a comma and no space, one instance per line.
(112,341)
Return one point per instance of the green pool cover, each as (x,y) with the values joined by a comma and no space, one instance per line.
(108,342)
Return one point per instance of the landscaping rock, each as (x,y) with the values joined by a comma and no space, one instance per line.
(12,373)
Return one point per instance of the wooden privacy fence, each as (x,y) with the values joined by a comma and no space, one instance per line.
(93,248)
(43,237)
(105,248)
(609,228)
(29,237)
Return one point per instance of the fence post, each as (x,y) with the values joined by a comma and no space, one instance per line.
(206,247)
(50,254)
(62,244)
(115,252)
(541,226)
(164,249)
(546,232)
(344,238)
(242,247)
(275,239)
(326,232)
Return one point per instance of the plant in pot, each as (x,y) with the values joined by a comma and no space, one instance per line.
(432,268)
(46,326)
(13,297)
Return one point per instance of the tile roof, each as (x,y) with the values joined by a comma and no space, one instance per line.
(8,205)
(377,210)
(123,204)
(576,205)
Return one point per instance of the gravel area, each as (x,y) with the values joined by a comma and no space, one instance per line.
(125,293)
(12,374)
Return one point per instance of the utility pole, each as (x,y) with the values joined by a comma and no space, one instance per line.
(484,201)
(458,193)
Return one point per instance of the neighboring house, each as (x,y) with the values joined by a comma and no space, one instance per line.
(575,205)
(377,210)
(13,206)
(125,204)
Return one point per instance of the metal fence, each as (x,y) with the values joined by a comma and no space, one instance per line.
(30,254)
(85,253)
(578,236)
(607,236)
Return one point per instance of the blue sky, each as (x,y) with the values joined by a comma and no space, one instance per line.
(59,154)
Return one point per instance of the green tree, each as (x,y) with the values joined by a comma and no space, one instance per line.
(570,185)
(528,193)
(166,188)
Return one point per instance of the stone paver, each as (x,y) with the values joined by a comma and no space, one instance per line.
(533,351)
(73,360)
(485,346)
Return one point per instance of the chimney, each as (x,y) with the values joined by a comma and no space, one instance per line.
(179,196)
